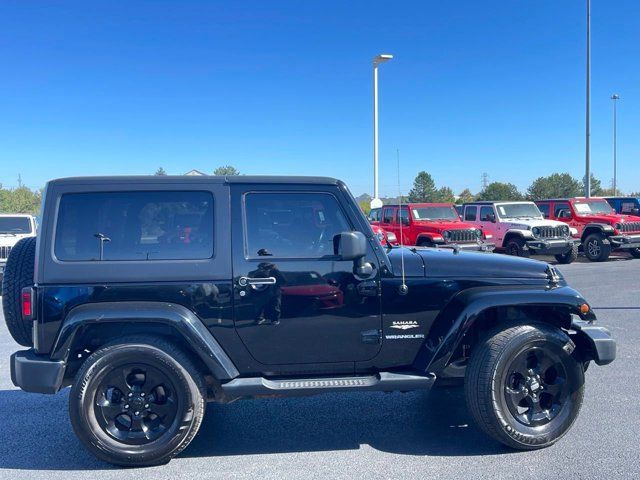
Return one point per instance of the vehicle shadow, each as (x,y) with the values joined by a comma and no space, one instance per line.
(39,436)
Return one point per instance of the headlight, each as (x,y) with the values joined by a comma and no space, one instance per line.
(478,233)
(565,230)
(446,235)
(574,231)
(607,228)
(535,231)
(617,226)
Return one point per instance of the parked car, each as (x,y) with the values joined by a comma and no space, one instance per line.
(13,228)
(518,228)
(150,296)
(432,225)
(625,205)
(600,229)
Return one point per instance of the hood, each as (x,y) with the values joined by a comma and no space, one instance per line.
(610,219)
(444,262)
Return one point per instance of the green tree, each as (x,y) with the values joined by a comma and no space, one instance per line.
(556,185)
(424,188)
(444,195)
(500,191)
(226,170)
(466,196)
(365,206)
(160,171)
(596,186)
(20,200)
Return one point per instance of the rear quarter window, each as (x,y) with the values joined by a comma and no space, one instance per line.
(149,225)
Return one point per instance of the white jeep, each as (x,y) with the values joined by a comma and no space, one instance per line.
(519,228)
(13,227)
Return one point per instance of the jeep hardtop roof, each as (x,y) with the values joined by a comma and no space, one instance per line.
(194,179)
(495,202)
(420,204)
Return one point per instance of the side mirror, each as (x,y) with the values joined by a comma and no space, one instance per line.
(353,246)
(405,222)
(350,245)
(491,217)
(635,211)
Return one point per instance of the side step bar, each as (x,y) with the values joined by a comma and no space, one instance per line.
(381,382)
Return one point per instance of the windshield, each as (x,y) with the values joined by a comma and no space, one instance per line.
(15,225)
(518,210)
(434,213)
(593,207)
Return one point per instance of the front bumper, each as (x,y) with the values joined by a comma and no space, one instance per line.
(470,247)
(595,341)
(625,242)
(36,373)
(543,246)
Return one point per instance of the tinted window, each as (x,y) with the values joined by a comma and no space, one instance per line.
(544,208)
(470,214)
(374,215)
(15,225)
(135,226)
(292,225)
(387,215)
(486,213)
(403,216)
(434,213)
(560,208)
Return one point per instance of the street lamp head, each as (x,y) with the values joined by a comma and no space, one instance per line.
(615,96)
(385,57)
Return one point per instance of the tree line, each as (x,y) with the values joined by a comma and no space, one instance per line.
(20,200)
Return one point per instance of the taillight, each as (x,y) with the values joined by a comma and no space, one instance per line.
(26,299)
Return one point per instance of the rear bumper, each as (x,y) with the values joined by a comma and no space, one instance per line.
(36,373)
(625,242)
(550,247)
(597,341)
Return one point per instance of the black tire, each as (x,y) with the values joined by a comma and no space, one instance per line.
(426,243)
(491,393)
(18,273)
(635,252)
(597,248)
(516,246)
(569,257)
(148,358)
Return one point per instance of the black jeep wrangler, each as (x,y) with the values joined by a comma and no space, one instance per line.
(151,296)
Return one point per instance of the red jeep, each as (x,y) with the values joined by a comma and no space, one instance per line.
(431,225)
(599,227)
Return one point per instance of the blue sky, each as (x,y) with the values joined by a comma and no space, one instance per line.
(284,87)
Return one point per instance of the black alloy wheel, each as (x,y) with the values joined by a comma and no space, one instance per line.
(137,402)
(518,248)
(536,386)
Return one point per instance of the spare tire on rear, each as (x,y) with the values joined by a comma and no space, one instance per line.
(18,274)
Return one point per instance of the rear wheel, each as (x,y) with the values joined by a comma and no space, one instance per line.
(18,273)
(568,257)
(138,402)
(523,386)
(516,246)
(597,248)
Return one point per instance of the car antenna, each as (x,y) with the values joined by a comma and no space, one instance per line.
(402,289)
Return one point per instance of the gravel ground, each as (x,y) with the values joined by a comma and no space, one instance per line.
(364,435)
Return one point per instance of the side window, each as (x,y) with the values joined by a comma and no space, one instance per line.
(374,215)
(486,214)
(166,225)
(544,208)
(403,216)
(292,225)
(470,213)
(562,210)
(387,215)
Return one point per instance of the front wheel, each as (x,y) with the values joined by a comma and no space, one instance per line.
(635,252)
(524,387)
(568,257)
(597,248)
(139,402)
(517,247)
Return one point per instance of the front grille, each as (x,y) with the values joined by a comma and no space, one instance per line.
(4,252)
(462,236)
(551,232)
(630,227)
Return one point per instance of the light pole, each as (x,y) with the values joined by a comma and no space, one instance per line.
(587,177)
(376,202)
(615,97)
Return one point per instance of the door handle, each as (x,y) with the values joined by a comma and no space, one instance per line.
(244,281)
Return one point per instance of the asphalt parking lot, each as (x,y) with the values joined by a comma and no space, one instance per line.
(365,435)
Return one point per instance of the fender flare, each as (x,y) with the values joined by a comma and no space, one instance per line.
(603,228)
(429,237)
(517,233)
(459,316)
(183,320)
